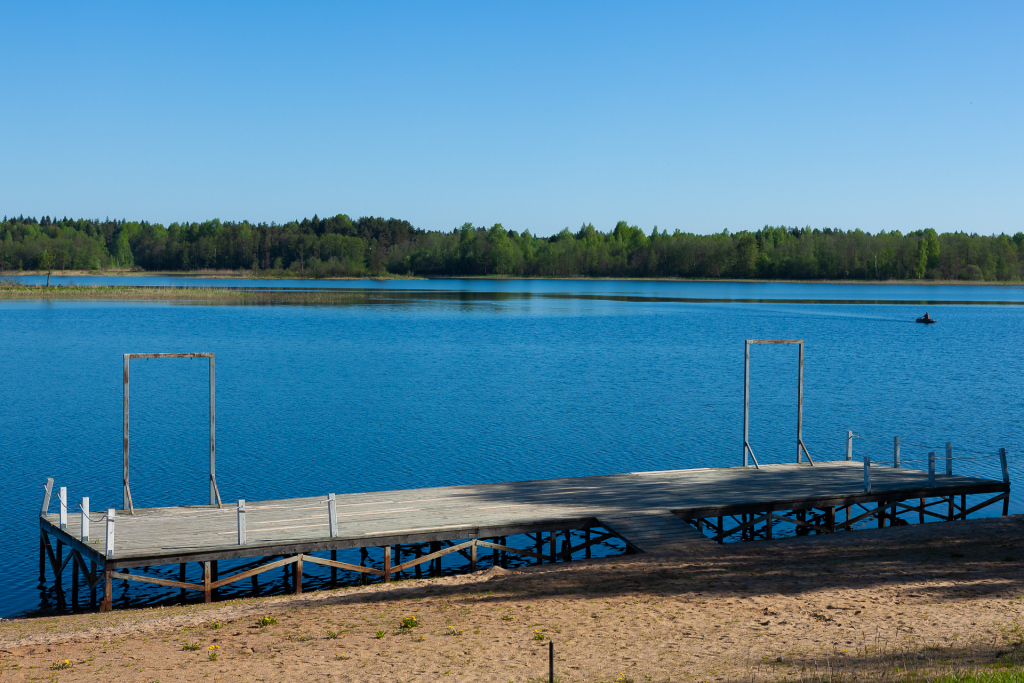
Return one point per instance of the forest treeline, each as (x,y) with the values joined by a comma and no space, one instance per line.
(340,246)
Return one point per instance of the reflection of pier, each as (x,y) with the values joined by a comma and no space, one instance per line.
(647,510)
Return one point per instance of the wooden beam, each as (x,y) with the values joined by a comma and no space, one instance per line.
(460,548)
(154,580)
(342,565)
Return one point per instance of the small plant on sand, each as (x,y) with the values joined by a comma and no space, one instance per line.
(332,634)
(538,635)
(409,622)
(341,658)
(380,634)
(61,664)
(213,652)
(623,678)
(192,647)
(216,623)
(266,620)
(452,631)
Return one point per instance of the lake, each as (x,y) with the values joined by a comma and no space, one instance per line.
(523,380)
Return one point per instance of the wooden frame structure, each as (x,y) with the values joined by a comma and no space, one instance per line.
(799,401)
(128,504)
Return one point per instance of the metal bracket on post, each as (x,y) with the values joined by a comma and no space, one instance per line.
(801,449)
(214,492)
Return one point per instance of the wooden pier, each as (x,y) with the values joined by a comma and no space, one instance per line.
(649,511)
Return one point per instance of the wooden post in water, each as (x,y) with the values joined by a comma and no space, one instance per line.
(107,603)
(207,590)
(1006,480)
(931,469)
(298,574)
(896,452)
(949,458)
(849,444)
(387,564)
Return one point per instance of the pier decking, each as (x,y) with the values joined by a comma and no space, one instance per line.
(647,510)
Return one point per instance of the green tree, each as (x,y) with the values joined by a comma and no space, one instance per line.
(46,263)
(122,255)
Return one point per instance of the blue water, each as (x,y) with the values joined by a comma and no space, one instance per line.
(753,291)
(439,391)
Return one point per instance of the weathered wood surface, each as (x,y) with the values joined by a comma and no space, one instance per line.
(640,504)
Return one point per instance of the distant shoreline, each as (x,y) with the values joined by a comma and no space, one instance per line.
(329,296)
(257,275)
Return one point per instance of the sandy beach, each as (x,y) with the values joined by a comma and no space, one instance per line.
(888,604)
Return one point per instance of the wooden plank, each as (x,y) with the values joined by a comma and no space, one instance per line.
(250,572)
(343,565)
(160,582)
(445,551)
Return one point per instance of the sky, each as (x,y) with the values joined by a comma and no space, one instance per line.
(694,116)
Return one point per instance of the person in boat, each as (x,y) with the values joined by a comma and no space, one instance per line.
(926,316)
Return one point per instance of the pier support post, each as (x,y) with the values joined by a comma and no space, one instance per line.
(849,444)
(867,475)
(181,578)
(1006,480)
(334,570)
(298,574)
(207,590)
(554,556)
(896,452)
(43,541)
(931,469)
(107,603)
(949,459)
(387,564)
(472,557)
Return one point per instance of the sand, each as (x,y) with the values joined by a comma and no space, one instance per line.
(883,604)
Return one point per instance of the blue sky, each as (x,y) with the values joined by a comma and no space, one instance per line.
(689,116)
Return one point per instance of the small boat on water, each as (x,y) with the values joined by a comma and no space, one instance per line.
(926,319)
